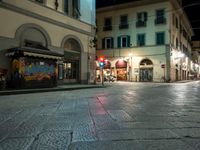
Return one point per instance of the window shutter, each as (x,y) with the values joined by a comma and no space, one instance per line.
(112,42)
(128,40)
(119,41)
(103,43)
(66,9)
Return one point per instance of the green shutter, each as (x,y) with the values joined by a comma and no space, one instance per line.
(66,9)
(128,41)
(103,43)
(143,39)
(119,41)
(112,42)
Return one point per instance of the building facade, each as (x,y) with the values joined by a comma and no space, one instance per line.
(195,64)
(145,40)
(42,39)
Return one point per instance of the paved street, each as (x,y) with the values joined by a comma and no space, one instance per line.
(122,116)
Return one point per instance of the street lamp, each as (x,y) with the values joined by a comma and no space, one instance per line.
(130,70)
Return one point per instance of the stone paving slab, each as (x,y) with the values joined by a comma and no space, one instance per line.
(193,142)
(9,126)
(29,128)
(131,145)
(84,131)
(120,115)
(187,132)
(105,122)
(16,143)
(54,140)
(145,125)
(185,124)
(137,134)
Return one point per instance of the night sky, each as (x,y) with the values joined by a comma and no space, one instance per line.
(192,8)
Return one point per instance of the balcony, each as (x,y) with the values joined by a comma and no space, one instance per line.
(160,20)
(141,24)
(123,26)
(107,28)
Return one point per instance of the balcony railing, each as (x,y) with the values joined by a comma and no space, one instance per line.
(160,20)
(123,26)
(141,24)
(107,28)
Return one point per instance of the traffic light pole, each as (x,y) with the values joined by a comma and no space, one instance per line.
(102,76)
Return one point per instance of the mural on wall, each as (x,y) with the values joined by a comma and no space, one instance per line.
(37,70)
(33,69)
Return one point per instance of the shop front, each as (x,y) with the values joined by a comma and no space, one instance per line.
(33,68)
(121,69)
(71,67)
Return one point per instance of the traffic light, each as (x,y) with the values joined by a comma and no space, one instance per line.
(101,62)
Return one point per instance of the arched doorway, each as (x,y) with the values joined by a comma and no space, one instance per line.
(121,68)
(72,59)
(146,70)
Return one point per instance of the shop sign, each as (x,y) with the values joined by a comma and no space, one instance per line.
(163,66)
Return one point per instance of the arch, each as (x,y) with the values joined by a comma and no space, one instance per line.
(146,62)
(73,39)
(73,49)
(107,65)
(121,63)
(23,28)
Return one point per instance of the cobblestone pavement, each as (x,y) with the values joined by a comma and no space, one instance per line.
(122,116)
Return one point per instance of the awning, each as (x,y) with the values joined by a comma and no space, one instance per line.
(41,55)
(27,51)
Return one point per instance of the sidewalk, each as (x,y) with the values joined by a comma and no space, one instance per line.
(58,88)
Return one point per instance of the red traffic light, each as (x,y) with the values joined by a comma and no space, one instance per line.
(101,59)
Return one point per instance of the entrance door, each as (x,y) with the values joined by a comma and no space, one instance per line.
(176,74)
(71,71)
(146,70)
(146,74)
(121,74)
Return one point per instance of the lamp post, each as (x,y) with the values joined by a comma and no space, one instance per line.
(131,64)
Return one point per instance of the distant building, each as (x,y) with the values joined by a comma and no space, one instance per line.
(195,64)
(45,42)
(145,40)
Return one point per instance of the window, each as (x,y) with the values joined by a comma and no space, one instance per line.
(107,24)
(140,39)
(160,38)
(72,8)
(141,19)
(108,42)
(177,43)
(123,22)
(160,17)
(66,7)
(76,9)
(123,41)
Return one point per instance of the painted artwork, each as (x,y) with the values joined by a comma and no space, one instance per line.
(33,69)
(39,71)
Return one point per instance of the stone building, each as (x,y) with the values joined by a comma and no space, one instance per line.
(145,40)
(44,40)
